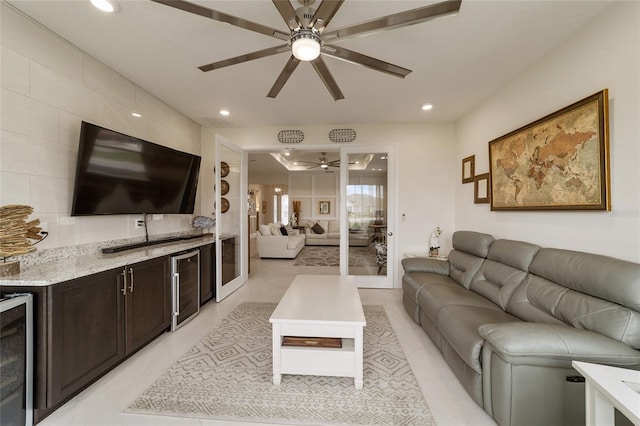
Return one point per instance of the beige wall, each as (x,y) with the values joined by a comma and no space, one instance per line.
(48,88)
(603,54)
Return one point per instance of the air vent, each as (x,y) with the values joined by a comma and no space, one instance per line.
(342,135)
(290,136)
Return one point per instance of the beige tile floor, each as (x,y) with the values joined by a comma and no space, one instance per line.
(103,403)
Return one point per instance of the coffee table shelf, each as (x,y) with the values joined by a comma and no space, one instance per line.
(339,362)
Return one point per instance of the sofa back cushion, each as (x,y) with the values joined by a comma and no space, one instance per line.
(264,229)
(469,250)
(333,227)
(474,243)
(583,290)
(504,270)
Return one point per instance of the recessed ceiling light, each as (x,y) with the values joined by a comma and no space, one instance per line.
(224,112)
(287,154)
(105,5)
(137,115)
(427,107)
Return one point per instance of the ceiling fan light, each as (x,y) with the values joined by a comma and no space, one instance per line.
(324,166)
(105,5)
(305,45)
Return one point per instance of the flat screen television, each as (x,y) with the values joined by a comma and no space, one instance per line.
(120,174)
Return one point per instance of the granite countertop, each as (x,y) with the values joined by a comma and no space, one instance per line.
(55,271)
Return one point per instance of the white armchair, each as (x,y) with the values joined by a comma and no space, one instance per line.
(272,244)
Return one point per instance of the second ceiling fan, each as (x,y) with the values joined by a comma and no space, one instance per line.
(307,39)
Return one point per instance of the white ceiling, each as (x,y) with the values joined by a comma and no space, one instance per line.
(457,61)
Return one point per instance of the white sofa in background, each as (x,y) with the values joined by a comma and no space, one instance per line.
(331,235)
(272,244)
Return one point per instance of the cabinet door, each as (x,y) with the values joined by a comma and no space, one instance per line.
(207,273)
(87,332)
(148,301)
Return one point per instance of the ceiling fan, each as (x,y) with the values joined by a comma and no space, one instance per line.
(323,163)
(307,39)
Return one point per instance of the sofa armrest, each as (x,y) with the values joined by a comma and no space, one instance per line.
(425,264)
(525,342)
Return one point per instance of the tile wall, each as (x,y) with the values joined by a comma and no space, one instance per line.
(48,87)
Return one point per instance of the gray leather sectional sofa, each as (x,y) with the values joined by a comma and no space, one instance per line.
(510,316)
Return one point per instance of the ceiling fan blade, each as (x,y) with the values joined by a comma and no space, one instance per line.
(244,58)
(288,69)
(324,14)
(364,60)
(396,20)
(288,13)
(223,17)
(327,78)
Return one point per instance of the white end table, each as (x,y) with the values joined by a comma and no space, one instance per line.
(607,388)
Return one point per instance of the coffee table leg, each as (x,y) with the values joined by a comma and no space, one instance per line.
(277,346)
(358,347)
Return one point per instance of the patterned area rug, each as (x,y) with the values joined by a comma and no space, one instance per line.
(330,256)
(227,376)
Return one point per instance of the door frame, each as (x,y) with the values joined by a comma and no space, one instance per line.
(370,281)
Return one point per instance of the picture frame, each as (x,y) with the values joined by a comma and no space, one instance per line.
(481,191)
(559,162)
(324,207)
(468,168)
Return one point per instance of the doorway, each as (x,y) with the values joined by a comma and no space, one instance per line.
(301,192)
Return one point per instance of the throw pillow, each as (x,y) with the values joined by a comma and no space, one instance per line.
(289,229)
(265,230)
(283,230)
(317,229)
(275,229)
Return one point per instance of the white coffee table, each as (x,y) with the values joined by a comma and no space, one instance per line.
(319,306)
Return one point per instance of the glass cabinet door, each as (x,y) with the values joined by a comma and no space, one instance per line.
(231,213)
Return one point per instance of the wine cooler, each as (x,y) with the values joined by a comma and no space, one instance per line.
(185,279)
(16,360)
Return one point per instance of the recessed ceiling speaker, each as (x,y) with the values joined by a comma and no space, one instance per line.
(342,135)
(290,136)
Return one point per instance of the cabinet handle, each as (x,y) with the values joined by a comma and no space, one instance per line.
(124,282)
(131,283)
(176,294)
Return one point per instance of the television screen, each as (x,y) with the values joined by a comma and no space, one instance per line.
(120,174)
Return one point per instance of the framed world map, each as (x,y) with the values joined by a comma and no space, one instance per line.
(560,162)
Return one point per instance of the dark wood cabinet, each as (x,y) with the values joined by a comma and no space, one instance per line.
(96,321)
(87,337)
(207,273)
(147,301)
(86,326)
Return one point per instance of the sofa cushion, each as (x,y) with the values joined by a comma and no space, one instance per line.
(459,326)
(275,229)
(317,228)
(333,226)
(605,277)
(264,229)
(432,298)
(474,243)
(505,268)
(463,267)
(540,300)
(295,241)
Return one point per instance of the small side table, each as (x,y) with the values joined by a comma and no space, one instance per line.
(423,254)
(607,388)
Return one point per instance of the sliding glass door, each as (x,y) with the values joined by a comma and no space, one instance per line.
(367,215)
